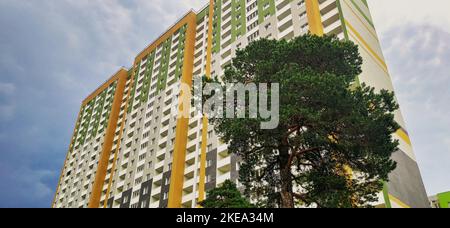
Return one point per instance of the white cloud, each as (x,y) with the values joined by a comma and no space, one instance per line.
(419,60)
(414,35)
(388,14)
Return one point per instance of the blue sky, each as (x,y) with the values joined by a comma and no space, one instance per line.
(53,53)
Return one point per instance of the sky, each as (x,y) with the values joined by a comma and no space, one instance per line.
(53,53)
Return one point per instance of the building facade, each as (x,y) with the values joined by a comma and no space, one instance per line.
(441,200)
(129,148)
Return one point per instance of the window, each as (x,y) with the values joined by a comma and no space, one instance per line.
(253,36)
(301,4)
(138,181)
(251,16)
(252,6)
(143,146)
(142,157)
(304,28)
(252,26)
(145,191)
(302,16)
(167,181)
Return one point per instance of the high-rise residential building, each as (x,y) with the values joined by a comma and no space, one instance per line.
(129,149)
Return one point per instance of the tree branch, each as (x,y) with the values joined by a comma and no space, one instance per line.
(302,197)
(265,170)
(296,154)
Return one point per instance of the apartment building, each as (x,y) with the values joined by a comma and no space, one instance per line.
(130,149)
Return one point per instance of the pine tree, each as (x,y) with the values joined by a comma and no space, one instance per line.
(334,143)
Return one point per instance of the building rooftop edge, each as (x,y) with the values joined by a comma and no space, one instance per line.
(110,80)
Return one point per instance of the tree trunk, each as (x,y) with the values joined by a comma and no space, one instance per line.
(287,198)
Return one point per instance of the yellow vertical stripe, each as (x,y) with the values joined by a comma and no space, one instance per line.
(119,140)
(179,151)
(102,166)
(397,201)
(366,45)
(314,17)
(369,53)
(403,135)
(202,179)
(362,22)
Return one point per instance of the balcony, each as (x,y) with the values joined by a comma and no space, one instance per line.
(224,164)
(282,7)
(188,198)
(333,28)
(157,180)
(222,178)
(159,167)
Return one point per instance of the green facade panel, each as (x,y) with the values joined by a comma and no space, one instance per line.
(147,81)
(265,8)
(164,66)
(444,200)
(238,19)
(217,23)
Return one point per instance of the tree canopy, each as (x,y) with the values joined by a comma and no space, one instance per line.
(333,144)
(226,196)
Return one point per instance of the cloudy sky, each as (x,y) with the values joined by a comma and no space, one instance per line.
(53,53)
